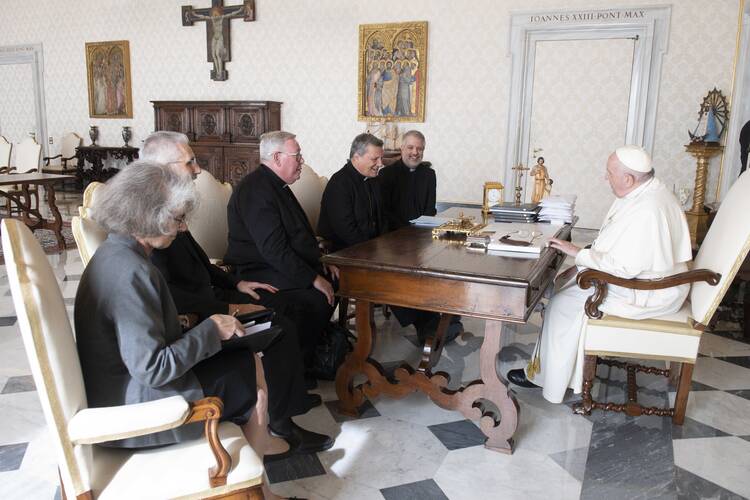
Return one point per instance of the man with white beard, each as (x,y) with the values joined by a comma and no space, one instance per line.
(644,235)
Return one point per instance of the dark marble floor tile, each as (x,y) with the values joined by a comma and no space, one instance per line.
(72,277)
(697,386)
(57,494)
(743,361)
(422,490)
(694,429)
(23,383)
(629,458)
(294,467)
(413,339)
(11,456)
(692,487)
(573,461)
(367,410)
(514,352)
(743,393)
(457,435)
(746,438)
(71,301)
(8,321)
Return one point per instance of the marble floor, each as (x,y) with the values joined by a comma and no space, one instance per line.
(412,449)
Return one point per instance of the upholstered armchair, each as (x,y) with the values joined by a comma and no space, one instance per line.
(66,163)
(88,236)
(5,150)
(309,190)
(28,153)
(674,338)
(208,224)
(220,465)
(89,195)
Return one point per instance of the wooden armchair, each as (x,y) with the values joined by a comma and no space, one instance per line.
(5,150)
(67,156)
(88,471)
(674,338)
(28,153)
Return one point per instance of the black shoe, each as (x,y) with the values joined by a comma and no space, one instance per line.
(312,401)
(310,383)
(300,440)
(454,330)
(518,377)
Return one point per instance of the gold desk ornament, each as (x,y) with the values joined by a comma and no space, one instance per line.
(461,225)
(520,169)
(493,194)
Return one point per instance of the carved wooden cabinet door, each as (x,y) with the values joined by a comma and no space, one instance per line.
(175,119)
(246,124)
(211,159)
(209,123)
(238,162)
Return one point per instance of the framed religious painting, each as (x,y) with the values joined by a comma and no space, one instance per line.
(392,72)
(108,72)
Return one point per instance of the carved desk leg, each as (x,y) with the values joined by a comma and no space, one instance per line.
(56,224)
(433,346)
(499,435)
(350,397)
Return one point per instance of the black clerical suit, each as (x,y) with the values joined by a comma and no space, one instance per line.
(350,213)
(271,241)
(201,288)
(407,194)
(350,209)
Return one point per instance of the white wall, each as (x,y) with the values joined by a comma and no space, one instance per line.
(304,53)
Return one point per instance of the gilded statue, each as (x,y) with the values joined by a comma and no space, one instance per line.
(542,182)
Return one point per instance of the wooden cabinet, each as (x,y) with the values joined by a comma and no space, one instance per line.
(225,135)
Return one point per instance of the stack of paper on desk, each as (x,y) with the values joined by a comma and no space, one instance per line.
(558,209)
(429,221)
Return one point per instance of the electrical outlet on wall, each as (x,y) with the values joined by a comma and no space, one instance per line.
(50,140)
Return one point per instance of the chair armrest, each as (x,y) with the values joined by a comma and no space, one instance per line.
(46,159)
(97,425)
(600,280)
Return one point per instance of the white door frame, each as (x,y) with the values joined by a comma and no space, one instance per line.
(648,26)
(31,54)
(739,111)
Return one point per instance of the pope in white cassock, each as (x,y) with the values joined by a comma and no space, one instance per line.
(644,235)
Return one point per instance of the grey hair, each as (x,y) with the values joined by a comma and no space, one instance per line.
(360,143)
(162,146)
(143,200)
(273,142)
(639,177)
(415,133)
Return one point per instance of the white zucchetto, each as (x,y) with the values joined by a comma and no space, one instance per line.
(634,157)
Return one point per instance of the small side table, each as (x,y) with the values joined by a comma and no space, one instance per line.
(96,156)
(697,217)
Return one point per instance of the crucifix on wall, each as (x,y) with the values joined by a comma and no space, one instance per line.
(217,30)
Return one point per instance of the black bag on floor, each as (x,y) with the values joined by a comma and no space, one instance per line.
(335,343)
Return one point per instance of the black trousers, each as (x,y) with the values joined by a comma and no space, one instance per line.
(230,375)
(307,309)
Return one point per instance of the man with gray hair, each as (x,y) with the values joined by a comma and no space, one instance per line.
(271,240)
(644,235)
(409,184)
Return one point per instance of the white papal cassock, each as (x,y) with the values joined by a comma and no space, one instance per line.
(644,235)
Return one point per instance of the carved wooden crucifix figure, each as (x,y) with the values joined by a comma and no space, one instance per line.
(217,30)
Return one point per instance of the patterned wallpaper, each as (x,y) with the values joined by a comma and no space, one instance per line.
(592,93)
(304,53)
(16,103)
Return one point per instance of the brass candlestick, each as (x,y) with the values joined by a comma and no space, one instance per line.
(697,217)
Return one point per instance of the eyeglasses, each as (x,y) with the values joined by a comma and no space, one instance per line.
(296,156)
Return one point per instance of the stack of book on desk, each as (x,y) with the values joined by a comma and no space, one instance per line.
(510,212)
(558,209)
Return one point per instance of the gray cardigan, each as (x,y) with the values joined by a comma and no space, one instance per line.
(129,340)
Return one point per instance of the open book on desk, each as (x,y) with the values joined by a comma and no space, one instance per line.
(519,238)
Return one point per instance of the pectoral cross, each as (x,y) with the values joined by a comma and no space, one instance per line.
(520,169)
(217,30)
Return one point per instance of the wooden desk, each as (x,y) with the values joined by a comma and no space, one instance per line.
(96,156)
(32,217)
(408,268)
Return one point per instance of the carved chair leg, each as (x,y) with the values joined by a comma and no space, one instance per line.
(683,390)
(589,372)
